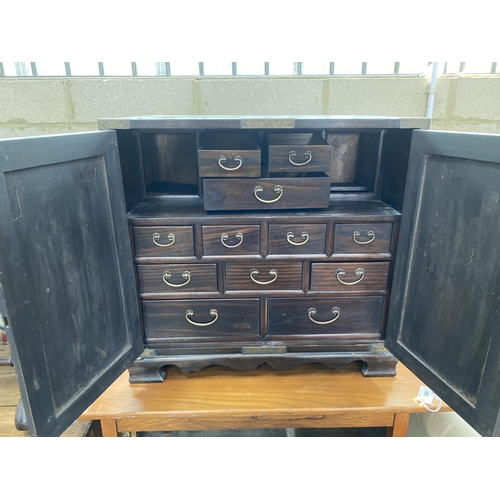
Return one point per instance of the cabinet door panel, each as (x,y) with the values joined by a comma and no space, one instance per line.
(444,318)
(66,273)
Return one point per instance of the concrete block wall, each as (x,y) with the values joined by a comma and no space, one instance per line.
(38,106)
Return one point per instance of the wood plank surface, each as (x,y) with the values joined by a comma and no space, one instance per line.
(222,398)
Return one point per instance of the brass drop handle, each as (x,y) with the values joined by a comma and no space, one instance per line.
(259,189)
(224,237)
(312,311)
(293,154)
(255,272)
(356,234)
(222,159)
(360,273)
(185,274)
(304,235)
(213,312)
(170,236)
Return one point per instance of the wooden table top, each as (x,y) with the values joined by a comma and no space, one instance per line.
(306,391)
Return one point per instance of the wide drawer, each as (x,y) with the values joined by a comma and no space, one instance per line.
(177,278)
(311,316)
(312,191)
(298,153)
(297,238)
(349,276)
(229,154)
(264,276)
(362,238)
(231,240)
(163,241)
(200,319)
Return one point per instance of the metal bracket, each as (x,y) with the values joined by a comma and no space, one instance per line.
(420,123)
(148,353)
(268,123)
(265,350)
(379,348)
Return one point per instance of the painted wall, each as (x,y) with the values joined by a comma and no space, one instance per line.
(35,106)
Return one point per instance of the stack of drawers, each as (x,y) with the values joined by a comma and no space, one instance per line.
(228,280)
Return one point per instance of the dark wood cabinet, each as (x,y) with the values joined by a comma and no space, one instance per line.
(238,241)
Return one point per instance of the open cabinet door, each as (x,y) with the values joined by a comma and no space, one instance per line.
(444,317)
(66,273)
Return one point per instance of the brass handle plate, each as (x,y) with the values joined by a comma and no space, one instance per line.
(185,274)
(170,236)
(304,235)
(259,189)
(213,312)
(293,154)
(224,237)
(272,272)
(312,311)
(236,159)
(357,234)
(360,273)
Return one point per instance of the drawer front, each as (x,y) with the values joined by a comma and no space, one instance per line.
(266,194)
(163,241)
(298,158)
(297,238)
(229,163)
(231,240)
(177,278)
(349,276)
(362,238)
(313,316)
(264,276)
(200,319)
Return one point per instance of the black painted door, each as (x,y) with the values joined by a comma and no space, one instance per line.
(444,318)
(66,273)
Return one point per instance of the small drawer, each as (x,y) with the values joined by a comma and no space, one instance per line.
(310,191)
(297,238)
(177,278)
(163,241)
(200,319)
(313,316)
(362,238)
(229,154)
(298,153)
(264,276)
(349,276)
(231,240)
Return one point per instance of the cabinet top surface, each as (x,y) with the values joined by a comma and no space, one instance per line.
(263,122)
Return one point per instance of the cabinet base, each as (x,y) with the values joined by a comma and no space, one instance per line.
(153,369)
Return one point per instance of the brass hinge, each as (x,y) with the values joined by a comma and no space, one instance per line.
(264,350)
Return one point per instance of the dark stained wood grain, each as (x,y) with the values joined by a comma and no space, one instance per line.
(145,246)
(282,146)
(247,245)
(203,278)
(238,194)
(279,244)
(166,319)
(445,310)
(324,276)
(289,276)
(344,238)
(358,315)
(66,273)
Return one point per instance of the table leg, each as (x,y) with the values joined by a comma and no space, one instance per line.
(400,425)
(108,428)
